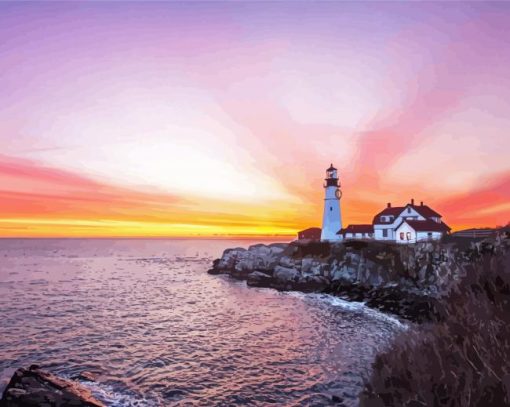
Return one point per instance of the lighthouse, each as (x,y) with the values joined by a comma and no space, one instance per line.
(332,218)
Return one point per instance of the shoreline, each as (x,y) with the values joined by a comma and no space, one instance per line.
(461,287)
(404,281)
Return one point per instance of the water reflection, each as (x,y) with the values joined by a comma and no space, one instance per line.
(160,331)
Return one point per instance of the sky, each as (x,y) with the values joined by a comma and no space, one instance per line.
(220,119)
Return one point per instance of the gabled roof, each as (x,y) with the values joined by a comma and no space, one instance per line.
(392,211)
(427,225)
(356,229)
(423,210)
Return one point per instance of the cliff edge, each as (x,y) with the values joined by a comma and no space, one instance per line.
(407,280)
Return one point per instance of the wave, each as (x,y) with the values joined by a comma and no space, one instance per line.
(350,306)
(114,398)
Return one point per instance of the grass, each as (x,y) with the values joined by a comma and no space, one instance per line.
(462,360)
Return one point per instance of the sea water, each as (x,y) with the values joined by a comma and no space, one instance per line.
(159,331)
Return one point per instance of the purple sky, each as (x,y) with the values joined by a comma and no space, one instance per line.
(221,117)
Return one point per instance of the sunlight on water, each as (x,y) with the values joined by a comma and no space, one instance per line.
(159,330)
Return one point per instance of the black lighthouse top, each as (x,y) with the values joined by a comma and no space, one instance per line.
(331,177)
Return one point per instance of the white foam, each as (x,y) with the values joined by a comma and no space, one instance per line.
(351,306)
(113,398)
(381,315)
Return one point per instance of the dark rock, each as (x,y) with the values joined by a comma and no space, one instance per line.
(34,387)
(405,280)
(336,399)
(215,269)
(85,376)
(286,274)
(259,279)
(311,283)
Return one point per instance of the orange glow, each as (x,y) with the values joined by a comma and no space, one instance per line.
(168,119)
(45,202)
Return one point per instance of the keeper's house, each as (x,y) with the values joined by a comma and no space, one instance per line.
(401,224)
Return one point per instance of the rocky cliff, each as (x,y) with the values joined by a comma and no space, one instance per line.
(403,279)
(464,358)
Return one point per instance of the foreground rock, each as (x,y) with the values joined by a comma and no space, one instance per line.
(35,387)
(405,280)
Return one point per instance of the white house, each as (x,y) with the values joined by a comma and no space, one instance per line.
(412,231)
(402,224)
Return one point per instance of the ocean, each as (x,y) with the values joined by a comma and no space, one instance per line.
(159,331)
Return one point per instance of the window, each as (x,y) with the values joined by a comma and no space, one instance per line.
(362,235)
(429,235)
(402,235)
(370,235)
(330,208)
(385,232)
(408,235)
(408,210)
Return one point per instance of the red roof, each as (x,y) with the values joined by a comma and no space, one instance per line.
(395,211)
(356,229)
(428,226)
(425,211)
(392,211)
(310,233)
(310,230)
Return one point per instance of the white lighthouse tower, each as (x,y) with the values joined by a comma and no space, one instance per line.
(332,218)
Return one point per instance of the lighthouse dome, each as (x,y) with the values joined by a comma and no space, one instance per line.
(331,173)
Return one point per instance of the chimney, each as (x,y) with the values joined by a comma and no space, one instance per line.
(389,205)
(421,203)
(412,201)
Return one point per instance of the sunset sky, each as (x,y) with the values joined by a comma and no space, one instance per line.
(213,119)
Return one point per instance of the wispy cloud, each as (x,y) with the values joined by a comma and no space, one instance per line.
(217,118)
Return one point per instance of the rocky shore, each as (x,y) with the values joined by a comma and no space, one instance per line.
(406,280)
(34,387)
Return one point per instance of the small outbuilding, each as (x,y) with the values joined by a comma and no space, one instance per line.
(310,234)
(476,233)
(357,232)
(505,231)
